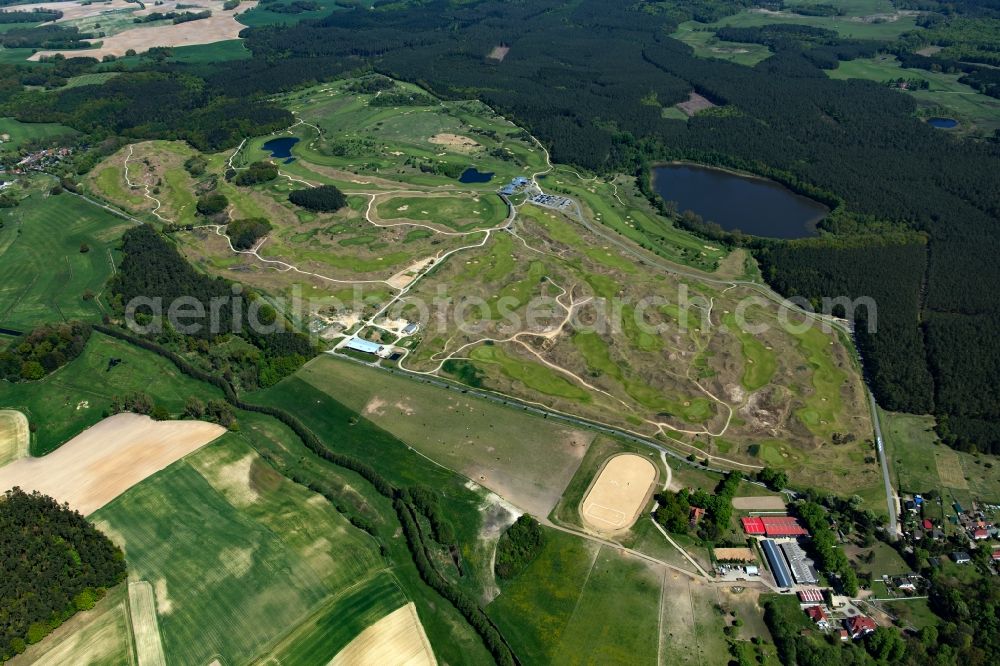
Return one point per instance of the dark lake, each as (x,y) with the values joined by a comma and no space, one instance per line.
(942,123)
(752,205)
(281,147)
(473,175)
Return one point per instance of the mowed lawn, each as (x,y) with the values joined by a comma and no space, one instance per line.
(461,213)
(238,556)
(44,275)
(20,133)
(75,397)
(579,602)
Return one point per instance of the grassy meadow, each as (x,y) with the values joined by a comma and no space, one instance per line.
(44,275)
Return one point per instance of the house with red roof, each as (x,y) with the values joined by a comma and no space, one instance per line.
(818,615)
(928,525)
(980,534)
(860,626)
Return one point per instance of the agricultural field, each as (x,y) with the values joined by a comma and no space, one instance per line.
(18,134)
(235,554)
(920,463)
(582,602)
(44,275)
(977,113)
(523,458)
(14,436)
(116,20)
(107,459)
(65,403)
(397,638)
(98,637)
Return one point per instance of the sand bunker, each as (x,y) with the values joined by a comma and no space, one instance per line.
(403,278)
(104,461)
(220,26)
(14,436)
(617,496)
(397,639)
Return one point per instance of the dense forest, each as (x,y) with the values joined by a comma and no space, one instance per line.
(54,563)
(153,269)
(43,350)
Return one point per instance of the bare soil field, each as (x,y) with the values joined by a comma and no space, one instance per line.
(14,436)
(221,25)
(617,496)
(454,142)
(398,638)
(77,10)
(104,461)
(498,53)
(735,554)
(694,104)
(765,503)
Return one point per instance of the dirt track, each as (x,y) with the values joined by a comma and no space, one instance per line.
(617,496)
(104,461)
(398,638)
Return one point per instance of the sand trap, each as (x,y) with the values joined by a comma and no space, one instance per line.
(454,141)
(14,436)
(396,639)
(617,496)
(770,503)
(104,461)
(220,26)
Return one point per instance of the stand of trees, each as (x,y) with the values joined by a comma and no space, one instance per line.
(53,564)
(244,233)
(518,546)
(325,198)
(42,351)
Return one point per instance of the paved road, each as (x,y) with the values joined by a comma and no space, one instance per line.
(890,496)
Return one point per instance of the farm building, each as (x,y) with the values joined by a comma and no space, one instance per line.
(367,347)
(801,566)
(773,526)
(782,575)
(810,595)
(818,615)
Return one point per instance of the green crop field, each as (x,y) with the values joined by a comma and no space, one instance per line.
(332,627)
(44,275)
(75,397)
(921,463)
(580,602)
(945,96)
(237,555)
(21,133)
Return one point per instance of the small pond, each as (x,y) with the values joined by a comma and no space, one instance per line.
(474,175)
(281,147)
(942,123)
(753,205)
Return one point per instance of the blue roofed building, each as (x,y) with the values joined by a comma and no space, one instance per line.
(782,576)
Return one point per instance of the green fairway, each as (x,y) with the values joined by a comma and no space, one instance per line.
(581,603)
(823,409)
(846,26)
(533,375)
(461,213)
(23,133)
(760,363)
(75,397)
(707,45)
(44,275)
(237,555)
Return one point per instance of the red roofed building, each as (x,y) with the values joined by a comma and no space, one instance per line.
(812,594)
(928,525)
(981,534)
(996,554)
(753,526)
(818,615)
(860,626)
(696,514)
(773,526)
